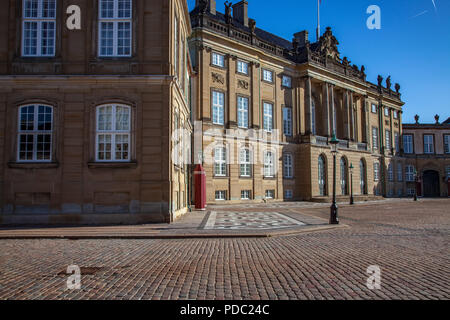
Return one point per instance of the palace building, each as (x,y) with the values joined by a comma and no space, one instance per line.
(87,116)
(426,149)
(268,108)
(98,115)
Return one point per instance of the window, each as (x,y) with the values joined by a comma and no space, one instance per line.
(376,171)
(246,194)
(409,173)
(221,195)
(447,143)
(411,191)
(288,194)
(114,28)
(388,139)
(408,143)
(322,176)
(287,166)
(395,114)
(218,60)
(113,133)
(269,164)
(220,162)
(390,172)
(267,75)
(397,142)
(399,192)
(245,163)
(270,194)
(343,165)
(386,112)
(428,144)
(287,122)
(242,67)
(268,117)
(218,107)
(399,172)
(375,137)
(447,172)
(374,108)
(287,82)
(39,28)
(35,133)
(242,112)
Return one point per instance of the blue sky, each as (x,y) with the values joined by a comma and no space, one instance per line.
(413,45)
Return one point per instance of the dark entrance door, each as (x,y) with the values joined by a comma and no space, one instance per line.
(431,184)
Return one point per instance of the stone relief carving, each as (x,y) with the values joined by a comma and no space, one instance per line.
(328,45)
(218,78)
(243,84)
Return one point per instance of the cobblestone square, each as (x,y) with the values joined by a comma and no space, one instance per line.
(408,241)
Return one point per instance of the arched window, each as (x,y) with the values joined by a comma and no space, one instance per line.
(245,163)
(343,176)
(35,133)
(322,176)
(288,166)
(362,177)
(113,133)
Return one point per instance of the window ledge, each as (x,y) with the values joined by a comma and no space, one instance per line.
(33,165)
(96,165)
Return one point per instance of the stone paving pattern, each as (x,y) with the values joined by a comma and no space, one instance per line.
(409,241)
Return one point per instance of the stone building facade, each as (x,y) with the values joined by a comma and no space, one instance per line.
(426,149)
(88,114)
(267,109)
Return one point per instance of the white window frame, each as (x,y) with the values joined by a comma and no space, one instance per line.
(245,163)
(387,138)
(220,161)
(395,114)
(409,173)
(35,132)
(288,166)
(270,194)
(287,121)
(39,20)
(375,137)
(428,146)
(115,20)
(268,116)
(373,108)
(114,132)
(390,172)
(287,81)
(408,144)
(288,194)
(269,164)
(386,112)
(447,143)
(376,171)
(243,112)
(246,194)
(218,59)
(218,109)
(220,195)
(242,67)
(267,75)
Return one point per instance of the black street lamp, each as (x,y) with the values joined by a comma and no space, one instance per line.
(334,208)
(351,183)
(415,184)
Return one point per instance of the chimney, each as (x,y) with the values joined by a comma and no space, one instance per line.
(301,38)
(240,12)
(211,6)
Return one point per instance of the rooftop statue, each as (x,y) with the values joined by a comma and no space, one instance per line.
(328,45)
(397,87)
(388,83)
(380,81)
(203,5)
(228,17)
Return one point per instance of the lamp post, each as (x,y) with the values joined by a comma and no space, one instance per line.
(351,183)
(334,208)
(415,185)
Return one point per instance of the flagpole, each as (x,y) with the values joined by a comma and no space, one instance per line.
(318,20)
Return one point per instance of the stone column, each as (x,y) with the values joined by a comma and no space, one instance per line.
(326,109)
(333,112)
(346,113)
(352,117)
(308,105)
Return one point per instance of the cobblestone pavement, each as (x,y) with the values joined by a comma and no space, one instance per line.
(409,241)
